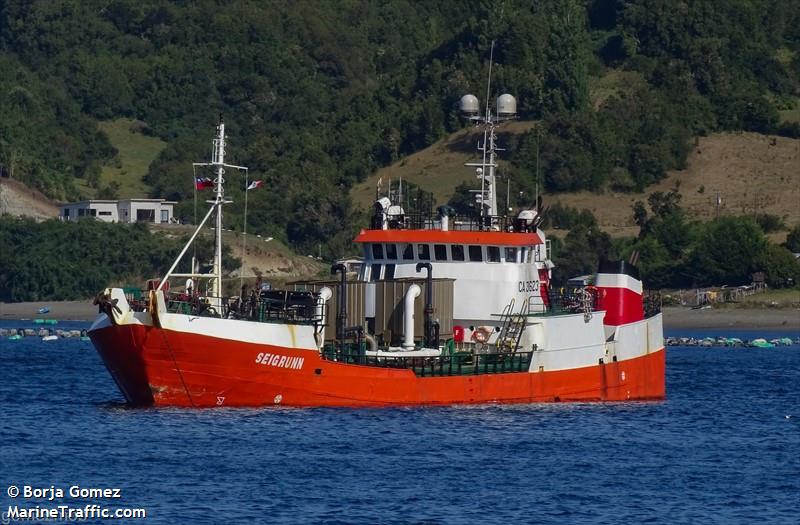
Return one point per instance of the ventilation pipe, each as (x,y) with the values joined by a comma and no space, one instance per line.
(341,305)
(444,217)
(325,294)
(372,344)
(408,316)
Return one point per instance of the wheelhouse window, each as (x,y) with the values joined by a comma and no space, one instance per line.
(511,255)
(475,253)
(424,252)
(440,252)
(377,251)
(391,252)
(408,252)
(375,272)
(493,254)
(389,272)
(527,254)
(458,252)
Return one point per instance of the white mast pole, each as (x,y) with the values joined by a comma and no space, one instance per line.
(219,160)
(487,133)
(218,165)
(244,235)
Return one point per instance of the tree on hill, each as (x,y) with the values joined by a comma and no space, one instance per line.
(318,95)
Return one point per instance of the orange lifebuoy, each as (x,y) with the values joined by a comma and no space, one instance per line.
(481,334)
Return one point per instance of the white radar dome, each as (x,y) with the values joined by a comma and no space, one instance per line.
(469,105)
(506,105)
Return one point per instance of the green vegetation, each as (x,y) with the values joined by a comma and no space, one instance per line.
(319,95)
(40,260)
(676,252)
(136,151)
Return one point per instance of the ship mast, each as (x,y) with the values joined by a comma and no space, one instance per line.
(218,161)
(486,197)
(218,166)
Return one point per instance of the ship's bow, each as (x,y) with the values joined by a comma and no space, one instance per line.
(119,339)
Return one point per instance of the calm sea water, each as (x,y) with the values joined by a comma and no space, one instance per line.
(723,448)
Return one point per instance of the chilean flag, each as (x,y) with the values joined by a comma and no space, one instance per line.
(255,184)
(203,183)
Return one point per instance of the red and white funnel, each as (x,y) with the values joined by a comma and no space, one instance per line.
(619,292)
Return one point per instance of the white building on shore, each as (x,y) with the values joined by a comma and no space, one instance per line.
(125,210)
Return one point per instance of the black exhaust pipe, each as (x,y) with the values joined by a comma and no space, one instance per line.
(431,327)
(341,303)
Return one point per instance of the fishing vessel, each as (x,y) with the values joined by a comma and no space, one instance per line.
(444,310)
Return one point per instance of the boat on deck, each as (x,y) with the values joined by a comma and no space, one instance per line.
(444,310)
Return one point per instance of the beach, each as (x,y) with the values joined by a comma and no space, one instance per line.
(61,310)
(675,317)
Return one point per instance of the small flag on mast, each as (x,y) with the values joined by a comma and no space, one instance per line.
(203,183)
(255,184)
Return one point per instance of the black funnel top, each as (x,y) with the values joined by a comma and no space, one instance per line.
(619,267)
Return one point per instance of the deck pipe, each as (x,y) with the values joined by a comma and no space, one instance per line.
(325,294)
(431,331)
(408,316)
(341,305)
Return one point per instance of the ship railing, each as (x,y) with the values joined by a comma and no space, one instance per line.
(456,364)
(424,221)
(268,307)
(585,300)
(562,301)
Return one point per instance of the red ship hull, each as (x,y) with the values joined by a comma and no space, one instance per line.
(158,367)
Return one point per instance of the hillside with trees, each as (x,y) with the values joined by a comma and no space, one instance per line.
(317,96)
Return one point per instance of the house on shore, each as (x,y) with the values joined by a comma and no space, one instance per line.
(127,211)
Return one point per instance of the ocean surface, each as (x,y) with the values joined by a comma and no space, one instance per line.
(723,448)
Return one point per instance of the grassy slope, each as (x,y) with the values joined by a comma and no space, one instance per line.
(136,152)
(276,261)
(751,172)
(438,168)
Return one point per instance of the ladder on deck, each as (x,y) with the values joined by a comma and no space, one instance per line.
(513,326)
